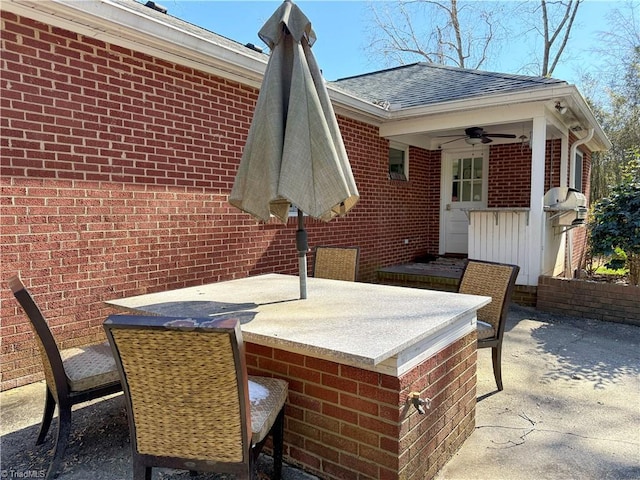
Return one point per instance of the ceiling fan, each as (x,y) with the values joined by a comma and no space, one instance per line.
(476,135)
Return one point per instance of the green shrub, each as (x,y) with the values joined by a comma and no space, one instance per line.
(615,223)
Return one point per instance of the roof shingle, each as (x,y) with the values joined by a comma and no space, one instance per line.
(422,83)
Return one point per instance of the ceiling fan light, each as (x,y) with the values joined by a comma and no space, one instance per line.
(473,140)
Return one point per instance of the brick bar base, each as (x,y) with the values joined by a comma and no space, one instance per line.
(343,422)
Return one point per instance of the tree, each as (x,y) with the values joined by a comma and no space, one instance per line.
(446,32)
(605,169)
(618,110)
(615,222)
(555,37)
(469,34)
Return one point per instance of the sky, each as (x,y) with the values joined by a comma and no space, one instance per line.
(342,27)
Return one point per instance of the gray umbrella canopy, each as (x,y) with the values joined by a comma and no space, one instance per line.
(294,153)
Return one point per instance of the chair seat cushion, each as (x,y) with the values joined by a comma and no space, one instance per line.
(485,330)
(89,367)
(267,397)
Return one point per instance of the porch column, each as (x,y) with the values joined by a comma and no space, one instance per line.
(537,217)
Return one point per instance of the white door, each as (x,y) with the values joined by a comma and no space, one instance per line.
(464,186)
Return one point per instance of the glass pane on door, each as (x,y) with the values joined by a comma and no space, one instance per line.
(467,180)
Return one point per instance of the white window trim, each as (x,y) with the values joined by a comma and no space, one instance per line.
(403,148)
(574,170)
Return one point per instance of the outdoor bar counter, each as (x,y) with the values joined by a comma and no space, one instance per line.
(352,354)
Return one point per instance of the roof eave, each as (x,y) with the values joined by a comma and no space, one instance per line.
(541,94)
(117,24)
(349,105)
(114,23)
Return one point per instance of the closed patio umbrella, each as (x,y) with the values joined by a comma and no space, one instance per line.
(294,153)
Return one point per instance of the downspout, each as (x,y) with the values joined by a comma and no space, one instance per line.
(568,262)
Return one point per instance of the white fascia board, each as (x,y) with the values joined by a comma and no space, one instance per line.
(531,95)
(353,107)
(452,119)
(115,23)
(528,102)
(600,141)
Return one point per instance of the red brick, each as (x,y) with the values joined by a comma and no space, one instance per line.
(339,383)
(362,436)
(321,393)
(342,414)
(322,365)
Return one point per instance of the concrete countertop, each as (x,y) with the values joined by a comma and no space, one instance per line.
(356,323)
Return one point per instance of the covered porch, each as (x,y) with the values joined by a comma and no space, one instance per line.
(499,158)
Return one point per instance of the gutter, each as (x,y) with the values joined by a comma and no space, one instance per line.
(116,23)
(113,22)
(572,155)
(542,94)
(568,262)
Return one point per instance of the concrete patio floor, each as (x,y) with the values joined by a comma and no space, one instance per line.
(570,409)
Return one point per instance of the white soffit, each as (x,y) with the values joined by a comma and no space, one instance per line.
(494,109)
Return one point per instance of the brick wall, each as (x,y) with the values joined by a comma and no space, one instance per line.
(509,176)
(580,235)
(583,298)
(510,173)
(115,168)
(449,379)
(115,172)
(346,423)
(552,164)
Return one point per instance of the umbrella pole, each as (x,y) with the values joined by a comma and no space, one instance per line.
(302,246)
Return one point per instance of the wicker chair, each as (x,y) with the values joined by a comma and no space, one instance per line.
(495,280)
(190,402)
(337,263)
(73,375)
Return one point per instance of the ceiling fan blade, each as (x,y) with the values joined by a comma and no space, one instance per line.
(451,141)
(485,139)
(499,135)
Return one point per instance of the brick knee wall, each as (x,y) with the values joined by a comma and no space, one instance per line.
(343,422)
(522,294)
(583,298)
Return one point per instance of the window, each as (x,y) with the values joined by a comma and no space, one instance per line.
(398,161)
(467,183)
(577,171)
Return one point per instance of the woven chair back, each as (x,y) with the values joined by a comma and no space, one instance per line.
(49,353)
(337,263)
(490,280)
(187,390)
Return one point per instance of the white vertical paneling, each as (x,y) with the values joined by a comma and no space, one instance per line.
(501,236)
